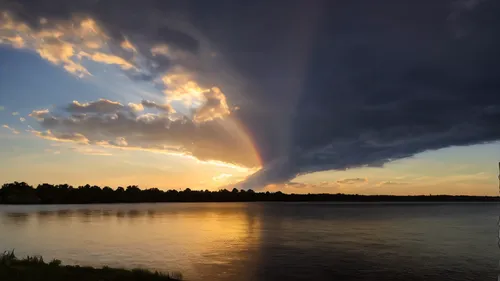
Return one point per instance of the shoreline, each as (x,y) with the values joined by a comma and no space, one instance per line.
(339,202)
(34,268)
(21,193)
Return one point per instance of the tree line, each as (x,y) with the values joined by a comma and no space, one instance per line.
(23,193)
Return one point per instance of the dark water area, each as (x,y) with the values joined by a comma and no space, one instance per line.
(266,241)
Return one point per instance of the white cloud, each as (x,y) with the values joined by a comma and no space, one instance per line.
(136,107)
(39,114)
(14,131)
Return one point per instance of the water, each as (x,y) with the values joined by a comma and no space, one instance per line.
(266,241)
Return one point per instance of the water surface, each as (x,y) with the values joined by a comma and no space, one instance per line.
(266,241)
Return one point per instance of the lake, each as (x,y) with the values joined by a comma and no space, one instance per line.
(266,241)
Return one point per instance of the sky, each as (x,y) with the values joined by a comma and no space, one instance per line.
(317,96)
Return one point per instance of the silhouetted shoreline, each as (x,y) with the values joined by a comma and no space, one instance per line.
(22,193)
(34,267)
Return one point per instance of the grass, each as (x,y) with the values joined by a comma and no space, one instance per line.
(34,268)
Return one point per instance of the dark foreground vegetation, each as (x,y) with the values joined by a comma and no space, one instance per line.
(35,269)
(22,193)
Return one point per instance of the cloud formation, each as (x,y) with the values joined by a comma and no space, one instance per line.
(101,106)
(61,136)
(110,124)
(90,151)
(77,38)
(327,85)
(214,107)
(390,183)
(167,108)
(14,131)
(352,181)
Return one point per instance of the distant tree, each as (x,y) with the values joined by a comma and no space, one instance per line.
(133,189)
(22,193)
(18,193)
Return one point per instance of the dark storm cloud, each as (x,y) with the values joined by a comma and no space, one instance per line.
(328,84)
(388,81)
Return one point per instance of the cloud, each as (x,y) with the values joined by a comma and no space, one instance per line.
(22,119)
(222,177)
(161,107)
(101,106)
(324,184)
(39,114)
(15,113)
(214,107)
(107,59)
(74,38)
(314,91)
(160,50)
(390,183)
(382,94)
(126,45)
(61,136)
(108,124)
(14,131)
(90,151)
(292,187)
(171,53)
(64,41)
(136,107)
(2,108)
(85,150)
(459,10)
(180,84)
(352,181)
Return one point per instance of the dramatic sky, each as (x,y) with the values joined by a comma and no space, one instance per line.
(359,96)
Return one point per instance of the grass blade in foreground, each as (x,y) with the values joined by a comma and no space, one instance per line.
(36,269)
